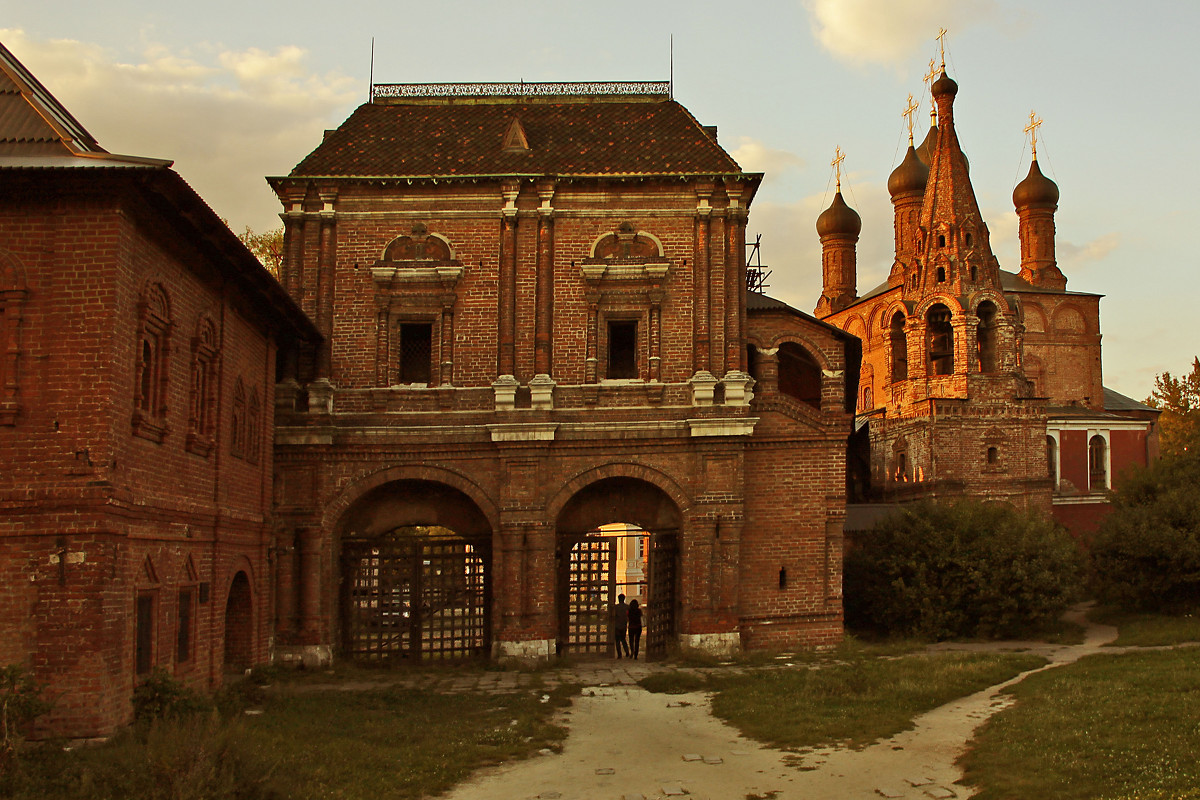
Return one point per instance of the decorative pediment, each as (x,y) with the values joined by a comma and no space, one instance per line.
(626,253)
(419,256)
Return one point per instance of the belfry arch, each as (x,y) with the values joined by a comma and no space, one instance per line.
(415,583)
(616,535)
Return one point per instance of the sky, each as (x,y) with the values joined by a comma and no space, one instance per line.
(236,91)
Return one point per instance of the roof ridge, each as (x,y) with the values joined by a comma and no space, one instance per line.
(68,130)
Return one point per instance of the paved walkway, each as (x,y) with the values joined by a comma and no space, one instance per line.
(627,744)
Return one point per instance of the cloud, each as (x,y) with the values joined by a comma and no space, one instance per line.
(889,32)
(754,156)
(1078,255)
(792,250)
(228,118)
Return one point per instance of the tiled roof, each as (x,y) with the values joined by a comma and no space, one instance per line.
(32,121)
(569,138)
(1115,401)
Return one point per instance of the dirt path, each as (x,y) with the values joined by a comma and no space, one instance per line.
(627,743)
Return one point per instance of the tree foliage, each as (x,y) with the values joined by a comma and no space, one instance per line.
(943,570)
(1146,553)
(1179,401)
(266,246)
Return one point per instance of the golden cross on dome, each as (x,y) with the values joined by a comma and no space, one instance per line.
(941,38)
(1031,129)
(930,77)
(909,110)
(838,158)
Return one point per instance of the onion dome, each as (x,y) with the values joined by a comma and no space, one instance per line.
(944,85)
(1035,190)
(926,148)
(911,176)
(839,218)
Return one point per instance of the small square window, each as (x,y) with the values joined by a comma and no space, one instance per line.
(622,349)
(416,352)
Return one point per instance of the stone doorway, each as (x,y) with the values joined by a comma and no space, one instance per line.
(599,559)
(239,624)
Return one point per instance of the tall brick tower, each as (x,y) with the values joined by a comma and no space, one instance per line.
(976,381)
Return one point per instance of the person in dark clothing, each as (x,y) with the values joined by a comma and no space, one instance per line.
(635,626)
(620,623)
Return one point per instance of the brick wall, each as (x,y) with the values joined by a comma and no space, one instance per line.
(94,514)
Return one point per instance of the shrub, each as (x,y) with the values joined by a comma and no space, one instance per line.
(21,702)
(161,696)
(1146,553)
(943,570)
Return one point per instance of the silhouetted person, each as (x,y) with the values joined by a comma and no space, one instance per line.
(635,626)
(620,623)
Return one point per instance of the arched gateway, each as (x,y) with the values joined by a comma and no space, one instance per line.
(415,563)
(616,536)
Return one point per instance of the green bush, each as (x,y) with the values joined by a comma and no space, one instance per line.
(161,696)
(1146,553)
(21,702)
(944,570)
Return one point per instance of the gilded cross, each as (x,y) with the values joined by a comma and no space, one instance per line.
(1031,129)
(941,38)
(838,158)
(930,77)
(909,110)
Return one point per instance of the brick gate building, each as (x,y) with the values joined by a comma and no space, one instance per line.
(536,312)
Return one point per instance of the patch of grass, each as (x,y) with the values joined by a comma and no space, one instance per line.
(389,743)
(674,682)
(1148,630)
(855,703)
(1108,726)
(865,644)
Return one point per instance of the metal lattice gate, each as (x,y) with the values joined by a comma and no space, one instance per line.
(591,591)
(590,580)
(660,611)
(411,596)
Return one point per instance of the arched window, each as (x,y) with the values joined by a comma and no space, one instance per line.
(985,336)
(1097,463)
(899,348)
(799,374)
(941,274)
(151,367)
(900,460)
(940,336)
(202,414)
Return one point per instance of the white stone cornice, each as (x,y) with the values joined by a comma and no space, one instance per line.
(524,432)
(737,426)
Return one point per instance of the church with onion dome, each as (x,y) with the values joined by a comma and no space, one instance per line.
(975,380)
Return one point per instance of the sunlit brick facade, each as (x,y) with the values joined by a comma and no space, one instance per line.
(536,310)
